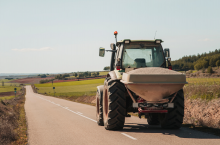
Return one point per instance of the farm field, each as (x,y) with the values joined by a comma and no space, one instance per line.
(6,80)
(103,73)
(75,79)
(74,88)
(197,87)
(204,88)
(8,88)
(30,80)
(209,81)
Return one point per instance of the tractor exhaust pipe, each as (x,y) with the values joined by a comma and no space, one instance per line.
(116,33)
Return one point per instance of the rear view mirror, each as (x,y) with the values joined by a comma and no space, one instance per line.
(167,52)
(101,52)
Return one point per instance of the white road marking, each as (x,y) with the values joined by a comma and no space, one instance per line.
(129,136)
(78,113)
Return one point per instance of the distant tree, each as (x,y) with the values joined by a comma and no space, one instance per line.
(97,73)
(65,75)
(209,70)
(199,65)
(75,74)
(89,74)
(43,76)
(94,74)
(59,77)
(81,75)
(85,73)
(3,83)
(217,63)
(107,68)
(212,62)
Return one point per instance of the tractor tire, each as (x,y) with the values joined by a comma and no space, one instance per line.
(114,104)
(174,118)
(153,119)
(99,109)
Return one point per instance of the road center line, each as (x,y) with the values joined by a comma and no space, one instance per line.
(77,113)
(80,114)
(129,136)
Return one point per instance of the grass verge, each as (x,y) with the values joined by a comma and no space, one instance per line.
(7,98)
(12,121)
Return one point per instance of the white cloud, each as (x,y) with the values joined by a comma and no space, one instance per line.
(33,49)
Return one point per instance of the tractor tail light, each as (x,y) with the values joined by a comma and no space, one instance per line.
(118,67)
(170,67)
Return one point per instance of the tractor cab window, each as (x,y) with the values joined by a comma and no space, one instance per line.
(136,55)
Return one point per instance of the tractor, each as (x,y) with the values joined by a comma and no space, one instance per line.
(140,80)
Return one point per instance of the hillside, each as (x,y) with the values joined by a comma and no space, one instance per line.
(197,62)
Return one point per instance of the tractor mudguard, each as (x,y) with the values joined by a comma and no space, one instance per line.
(100,89)
(112,75)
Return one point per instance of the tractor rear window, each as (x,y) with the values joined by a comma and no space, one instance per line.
(136,55)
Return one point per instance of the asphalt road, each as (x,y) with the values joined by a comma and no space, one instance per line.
(53,121)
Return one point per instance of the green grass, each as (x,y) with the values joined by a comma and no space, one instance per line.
(103,73)
(6,80)
(8,88)
(74,88)
(7,98)
(203,81)
(72,83)
(203,88)
(194,71)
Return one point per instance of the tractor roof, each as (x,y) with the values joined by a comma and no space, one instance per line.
(123,41)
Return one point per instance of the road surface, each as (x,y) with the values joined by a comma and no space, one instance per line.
(53,121)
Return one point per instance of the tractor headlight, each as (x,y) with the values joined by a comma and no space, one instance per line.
(158,41)
(127,41)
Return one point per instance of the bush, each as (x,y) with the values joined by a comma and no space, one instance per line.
(203,70)
(46,81)
(209,70)
(218,63)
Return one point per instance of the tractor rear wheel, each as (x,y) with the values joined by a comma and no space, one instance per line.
(99,109)
(153,119)
(114,104)
(174,118)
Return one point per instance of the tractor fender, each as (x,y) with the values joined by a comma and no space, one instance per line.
(113,75)
(100,89)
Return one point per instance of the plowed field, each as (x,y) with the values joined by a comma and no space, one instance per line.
(30,80)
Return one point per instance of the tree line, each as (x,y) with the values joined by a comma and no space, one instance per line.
(43,75)
(197,62)
(77,75)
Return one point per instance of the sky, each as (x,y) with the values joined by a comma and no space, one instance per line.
(52,36)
